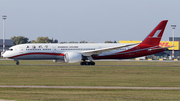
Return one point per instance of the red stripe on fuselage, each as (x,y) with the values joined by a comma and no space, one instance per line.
(137,51)
(38,53)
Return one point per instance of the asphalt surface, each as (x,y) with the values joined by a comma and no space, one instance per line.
(91,87)
(102,65)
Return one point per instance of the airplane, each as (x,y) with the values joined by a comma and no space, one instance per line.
(87,52)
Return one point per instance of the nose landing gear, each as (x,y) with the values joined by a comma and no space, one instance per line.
(17,62)
(88,63)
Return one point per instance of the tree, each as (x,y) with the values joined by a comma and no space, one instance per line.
(43,40)
(19,40)
(73,42)
(33,41)
(55,41)
(108,42)
(83,41)
(115,42)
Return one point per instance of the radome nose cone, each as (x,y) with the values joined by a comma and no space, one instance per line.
(4,55)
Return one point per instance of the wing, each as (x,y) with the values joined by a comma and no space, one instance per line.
(99,51)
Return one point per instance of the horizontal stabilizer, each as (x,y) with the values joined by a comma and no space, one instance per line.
(161,48)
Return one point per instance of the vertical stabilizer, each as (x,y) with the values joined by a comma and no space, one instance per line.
(155,36)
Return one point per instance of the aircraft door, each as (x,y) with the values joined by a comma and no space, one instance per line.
(21,50)
(54,49)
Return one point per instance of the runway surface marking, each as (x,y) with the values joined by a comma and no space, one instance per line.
(91,87)
(6,100)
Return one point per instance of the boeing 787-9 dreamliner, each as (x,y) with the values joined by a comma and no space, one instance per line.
(86,53)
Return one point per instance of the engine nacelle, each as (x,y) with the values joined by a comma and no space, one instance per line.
(72,57)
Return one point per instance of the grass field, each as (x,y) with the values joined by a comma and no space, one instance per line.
(118,73)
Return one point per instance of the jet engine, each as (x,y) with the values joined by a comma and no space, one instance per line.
(72,57)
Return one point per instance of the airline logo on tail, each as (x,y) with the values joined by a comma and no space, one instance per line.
(157,33)
(154,37)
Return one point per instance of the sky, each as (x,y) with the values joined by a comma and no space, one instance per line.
(89,20)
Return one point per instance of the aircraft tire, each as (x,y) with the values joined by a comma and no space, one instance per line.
(87,63)
(92,63)
(17,63)
(83,63)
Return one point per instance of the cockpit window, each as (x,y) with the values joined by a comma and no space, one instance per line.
(11,49)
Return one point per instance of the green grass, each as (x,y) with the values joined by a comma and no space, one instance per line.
(126,74)
(131,74)
(27,94)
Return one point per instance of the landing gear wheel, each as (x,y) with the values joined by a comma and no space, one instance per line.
(92,63)
(83,63)
(87,63)
(17,63)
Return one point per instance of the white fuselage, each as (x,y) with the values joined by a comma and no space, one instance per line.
(56,51)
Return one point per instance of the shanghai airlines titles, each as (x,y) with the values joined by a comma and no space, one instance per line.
(86,53)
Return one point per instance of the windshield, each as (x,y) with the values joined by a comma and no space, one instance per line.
(10,49)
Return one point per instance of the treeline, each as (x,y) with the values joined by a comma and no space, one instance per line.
(21,40)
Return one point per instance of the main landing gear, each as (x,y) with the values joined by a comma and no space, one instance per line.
(87,63)
(90,62)
(17,62)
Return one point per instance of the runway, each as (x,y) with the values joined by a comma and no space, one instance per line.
(93,87)
(88,65)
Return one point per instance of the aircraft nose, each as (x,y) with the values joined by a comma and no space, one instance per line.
(4,55)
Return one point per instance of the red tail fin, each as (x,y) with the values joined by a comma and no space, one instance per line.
(155,36)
